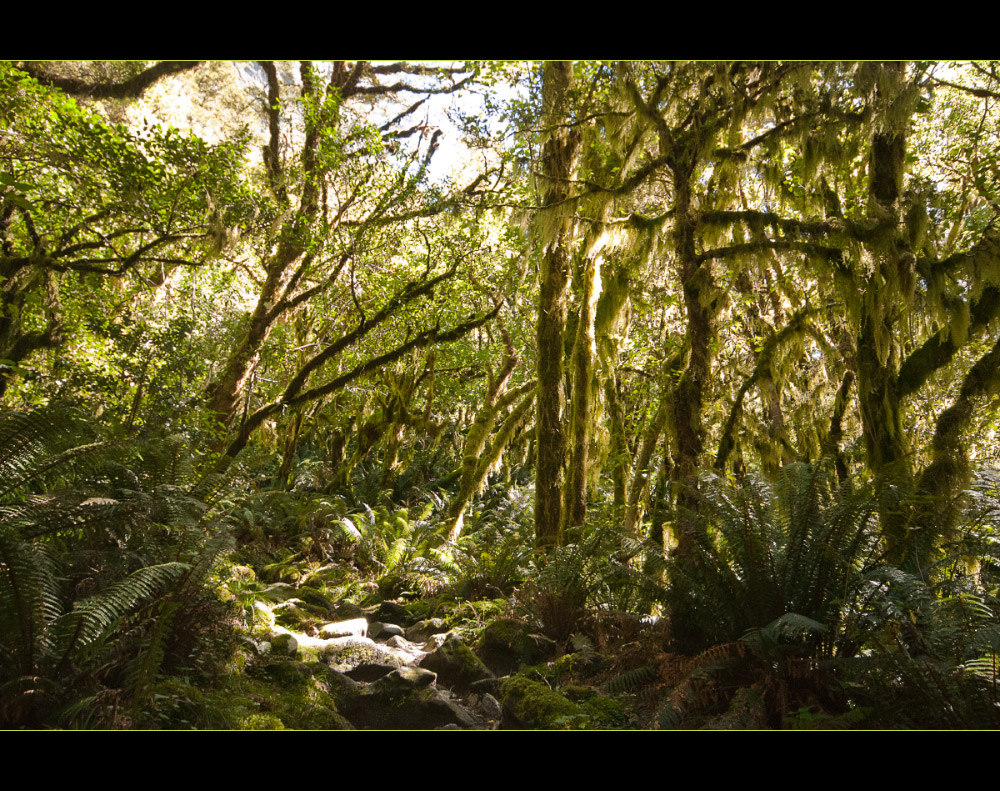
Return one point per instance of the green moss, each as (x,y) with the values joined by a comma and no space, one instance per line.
(284,644)
(262,722)
(471,665)
(531,704)
(317,600)
(418,610)
(605,712)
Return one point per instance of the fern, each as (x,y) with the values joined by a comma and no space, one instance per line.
(93,537)
(798,549)
(633,680)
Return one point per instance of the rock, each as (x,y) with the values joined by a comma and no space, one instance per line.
(421,631)
(356,627)
(406,699)
(346,653)
(280,591)
(349,611)
(343,690)
(416,676)
(532,705)
(394,613)
(435,641)
(456,665)
(263,618)
(369,672)
(288,675)
(488,686)
(317,601)
(242,573)
(319,577)
(508,644)
(490,707)
(290,614)
(384,631)
(284,644)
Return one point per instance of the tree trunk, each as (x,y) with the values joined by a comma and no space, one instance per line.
(475,440)
(224,393)
(689,432)
(583,358)
(886,443)
(559,155)
(948,474)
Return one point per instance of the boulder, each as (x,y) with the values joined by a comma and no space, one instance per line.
(422,631)
(532,705)
(394,613)
(356,627)
(456,665)
(349,611)
(284,644)
(508,645)
(406,699)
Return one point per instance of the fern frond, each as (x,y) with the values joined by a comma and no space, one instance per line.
(142,672)
(633,680)
(93,619)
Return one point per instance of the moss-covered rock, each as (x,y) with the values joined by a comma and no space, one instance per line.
(262,722)
(284,644)
(602,711)
(531,704)
(343,690)
(391,612)
(291,614)
(302,696)
(417,610)
(456,665)
(407,699)
(319,602)
(507,645)
(423,630)
(286,674)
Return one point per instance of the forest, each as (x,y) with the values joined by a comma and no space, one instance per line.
(499,395)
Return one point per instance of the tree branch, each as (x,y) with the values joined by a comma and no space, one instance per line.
(938,350)
(425,338)
(132,88)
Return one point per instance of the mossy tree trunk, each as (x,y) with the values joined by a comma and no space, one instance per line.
(689,395)
(619,457)
(476,439)
(886,444)
(584,386)
(559,156)
(949,471)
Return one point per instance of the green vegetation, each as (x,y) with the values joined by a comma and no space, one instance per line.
(638,394)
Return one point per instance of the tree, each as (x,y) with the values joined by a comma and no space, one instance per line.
(87,203)
(560,149)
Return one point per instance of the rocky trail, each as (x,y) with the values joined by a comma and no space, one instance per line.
(391,666)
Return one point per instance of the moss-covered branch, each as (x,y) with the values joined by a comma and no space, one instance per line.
(948,474)
(289,399)
(763,368)
(939,350)
(131,88)
(479,433)
(476,468)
